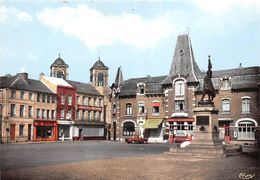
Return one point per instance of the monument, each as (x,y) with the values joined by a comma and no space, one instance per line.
(205,134)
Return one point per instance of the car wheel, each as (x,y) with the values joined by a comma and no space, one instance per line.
(145,142)
(133,142)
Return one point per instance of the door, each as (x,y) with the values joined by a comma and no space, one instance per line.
(80,134)
(29,132)
(114,128)
(12,132)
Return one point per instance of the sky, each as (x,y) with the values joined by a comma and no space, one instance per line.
(140,36)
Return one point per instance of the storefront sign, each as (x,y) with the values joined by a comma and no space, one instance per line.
(44,123)
(91,108)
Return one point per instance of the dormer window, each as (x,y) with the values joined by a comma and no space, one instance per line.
(226,83)
(140,88)
(179,88)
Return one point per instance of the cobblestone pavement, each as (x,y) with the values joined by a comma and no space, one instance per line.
(148,167)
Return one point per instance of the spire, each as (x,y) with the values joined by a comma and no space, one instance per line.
(119,77)
(183,62)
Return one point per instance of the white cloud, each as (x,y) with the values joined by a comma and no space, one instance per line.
(96,29)
(12,14)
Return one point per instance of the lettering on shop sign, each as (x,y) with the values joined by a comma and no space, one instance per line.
(202,120)
(44,124)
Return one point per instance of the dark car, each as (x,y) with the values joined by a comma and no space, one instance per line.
(136,139)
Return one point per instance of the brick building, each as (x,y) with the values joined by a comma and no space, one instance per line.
(157,106)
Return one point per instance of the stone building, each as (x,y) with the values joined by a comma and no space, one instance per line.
(158,106)
(27,109)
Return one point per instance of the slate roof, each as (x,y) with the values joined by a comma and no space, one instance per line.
(99,65)
(84,88)
(241,78)
(19,82)
(183,61)
(152,85)
(119,77)
(59,62)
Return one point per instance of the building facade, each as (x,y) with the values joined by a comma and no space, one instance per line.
(156,107)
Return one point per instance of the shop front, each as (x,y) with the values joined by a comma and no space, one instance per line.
(65,130)
(84,130)
(154,130)
(45,130)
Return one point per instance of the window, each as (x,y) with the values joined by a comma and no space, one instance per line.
(95,102)
(128,129)
(128,109)
(21,95)
(226,84)
(89,101)
(225,105)
(38,97)
(13,110)
(53,99)
(13,94)
(78,114)
(48,114)
(30,111)
(179,105)
(95,115)
(84,100)
(30,96)
(69,114)
(69,100)
(246,105)
(62,113)
(38,113)
(62,99)
(43,114)
(100,79)
(179,88)
(100,101)
(140,88)
(114,108)
(43,98)
(78,100)
(60,74)
(21,127)
(48,98)
(155,109)
(21,110)
(52,114)
(141,108)
(89,115)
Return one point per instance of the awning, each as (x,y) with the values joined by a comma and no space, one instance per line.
(180,120)
(156,104)
(152,123)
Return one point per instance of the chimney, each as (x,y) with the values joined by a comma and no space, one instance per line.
(24,75)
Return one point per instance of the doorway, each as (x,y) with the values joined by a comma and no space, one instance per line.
(29,132)
(114,130)
(80,134)
(12,132)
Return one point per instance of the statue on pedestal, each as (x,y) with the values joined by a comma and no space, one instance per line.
(208,86)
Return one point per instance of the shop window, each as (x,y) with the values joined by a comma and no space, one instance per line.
(100,79)
(226,105)
(128,129)
(13,110)
(246,105)
(190,126)
(141,108)
(22,110)
(179,105)
(22,95)
(21,128)
(13,92)
(128,109)
(44,132)
(179,88)
(246,130)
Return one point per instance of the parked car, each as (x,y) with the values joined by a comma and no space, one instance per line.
(136,139)
(181,136)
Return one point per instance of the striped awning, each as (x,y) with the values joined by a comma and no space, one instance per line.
(152,123)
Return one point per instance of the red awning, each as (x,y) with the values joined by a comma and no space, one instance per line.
(156,104)
(180,120)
